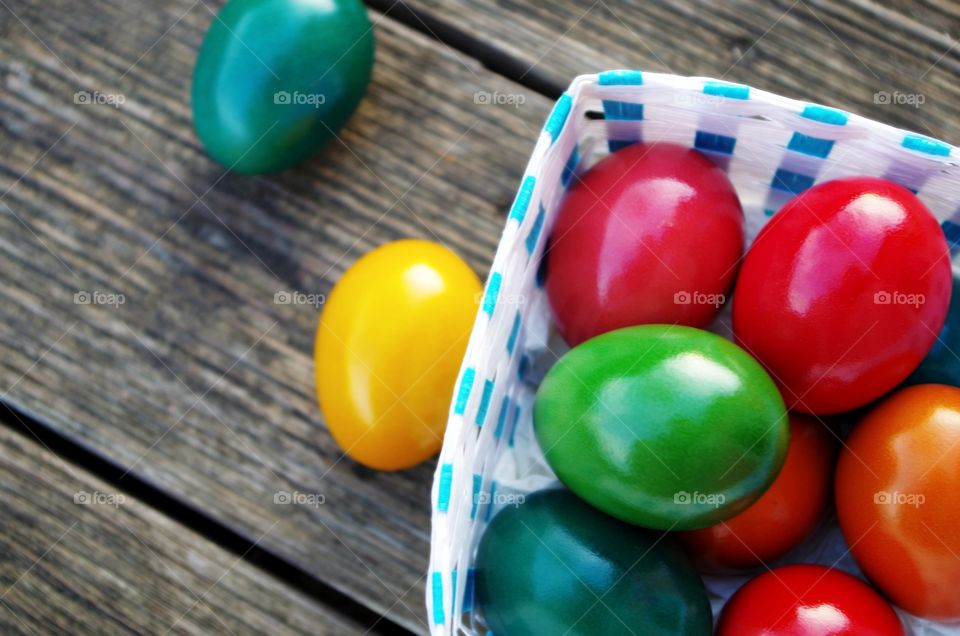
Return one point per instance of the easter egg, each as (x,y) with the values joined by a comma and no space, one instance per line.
(542,566)
(942,364)
(786,513)
(842,293)
(664,426)
(652,233)
(276,79)
(898,497)
(389,345)
(807,600)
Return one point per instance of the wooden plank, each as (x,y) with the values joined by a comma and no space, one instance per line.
(199,381)
(838,53)
(78,557)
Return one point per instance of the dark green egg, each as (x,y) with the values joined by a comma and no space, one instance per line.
(942,364)
(276,79)
(554,565)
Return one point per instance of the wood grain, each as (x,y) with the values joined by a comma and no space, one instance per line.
(77,557)
(199,381)
(840,53)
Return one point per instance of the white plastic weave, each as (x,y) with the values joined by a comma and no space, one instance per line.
(772,148)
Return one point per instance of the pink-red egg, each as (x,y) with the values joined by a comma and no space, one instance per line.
(651,234)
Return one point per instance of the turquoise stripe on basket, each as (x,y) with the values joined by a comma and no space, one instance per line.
(791,182)
(558,116)
(453,592)
(519,209)
(621,78)
(438,617)
(477,483)
(926,145)
(813,146)
(468,590)
(493,290)
(463,395)
(443,490)
(824,115)
(514,424)
(484,402)
(514,333)
(712,142)
(534,234)
(726,89)
(570,168)
(622,111)
(502,417)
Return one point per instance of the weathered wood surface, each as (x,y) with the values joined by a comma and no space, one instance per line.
(79,557)
(199,381)
(837,53)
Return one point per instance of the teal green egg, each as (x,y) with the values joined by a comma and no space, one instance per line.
(542,566)
(663,426)
(276,79)
(942,364)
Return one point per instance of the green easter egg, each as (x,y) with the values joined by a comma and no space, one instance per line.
(663,426)
(554,565)
(276,79)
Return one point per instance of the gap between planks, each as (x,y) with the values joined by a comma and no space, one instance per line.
(493,58)
(182,512)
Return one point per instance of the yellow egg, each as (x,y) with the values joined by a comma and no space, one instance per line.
(388,349)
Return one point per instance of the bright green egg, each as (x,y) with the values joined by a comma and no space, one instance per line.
(541,568)
(276,79)
(663,426)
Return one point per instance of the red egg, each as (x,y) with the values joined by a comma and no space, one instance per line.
(843,293)
(651,234)
(807,600)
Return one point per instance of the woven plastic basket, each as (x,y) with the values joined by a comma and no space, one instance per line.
(772,148)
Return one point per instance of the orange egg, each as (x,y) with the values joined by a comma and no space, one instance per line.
(785,514)
(898,499)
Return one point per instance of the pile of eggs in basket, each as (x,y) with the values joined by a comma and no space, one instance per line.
(682,452)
